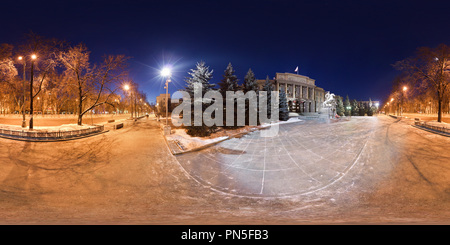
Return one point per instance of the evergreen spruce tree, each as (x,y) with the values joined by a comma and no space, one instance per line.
(348,112)
(229,82)
(200,75)
(340,109)
(362,110)
(268,87)
(355,108)
(283,106)
(371,109)
(250,84)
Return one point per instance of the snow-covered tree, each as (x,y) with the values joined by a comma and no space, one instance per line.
(201,75)
(347,105)
(371,109)
(283,105)
(7,68)
(268,87)
(42,65)
(229,81)
(250,83)
(94,84)
(430,68)
(362,109)
(355,108)
(340,110)
(10,85)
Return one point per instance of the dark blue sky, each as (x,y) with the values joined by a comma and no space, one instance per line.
(347,46)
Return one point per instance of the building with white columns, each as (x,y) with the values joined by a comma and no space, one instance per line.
(301,91)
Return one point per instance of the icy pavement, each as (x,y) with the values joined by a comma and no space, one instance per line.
(368,170)
(303,158)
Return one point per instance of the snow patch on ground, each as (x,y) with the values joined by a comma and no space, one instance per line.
(290,120)
(187,142)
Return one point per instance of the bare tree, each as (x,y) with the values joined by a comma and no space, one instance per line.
(8,79)
(42,53)
(7,68)
(431,68)
(95,84)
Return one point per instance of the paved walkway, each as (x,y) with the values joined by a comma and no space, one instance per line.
(304,157)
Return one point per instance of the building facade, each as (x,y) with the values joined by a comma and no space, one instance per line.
(302,94)
(161,103)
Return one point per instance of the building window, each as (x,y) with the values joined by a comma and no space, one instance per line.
(282,87)
(289,90)
(305,93)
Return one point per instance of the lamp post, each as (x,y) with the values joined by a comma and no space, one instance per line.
(349,108)
(24,64)
(127,88)
(33,57)
(166,73)
(403,99)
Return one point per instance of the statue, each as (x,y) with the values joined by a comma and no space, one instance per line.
(329,100)
(329,105)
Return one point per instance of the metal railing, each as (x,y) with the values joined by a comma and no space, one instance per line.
(51,135)
(433,127)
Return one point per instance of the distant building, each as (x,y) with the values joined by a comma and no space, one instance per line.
(161,102)
(301,91)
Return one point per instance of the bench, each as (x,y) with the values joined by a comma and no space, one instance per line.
(111,121)
(118,126)
(416,121)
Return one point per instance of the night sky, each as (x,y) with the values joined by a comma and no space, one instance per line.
(348,47)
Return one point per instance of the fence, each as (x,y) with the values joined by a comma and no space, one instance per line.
(52,135)
(432,127)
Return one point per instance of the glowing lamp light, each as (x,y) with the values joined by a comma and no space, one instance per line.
(20,58)
(126,87)
(405,88)
(165,72)
(33,56)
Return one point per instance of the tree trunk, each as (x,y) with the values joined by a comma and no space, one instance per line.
(80,108)
(439,109)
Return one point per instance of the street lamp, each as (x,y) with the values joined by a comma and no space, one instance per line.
(127,88)
(403,99)
(21,59)
(165,72)
(33,57)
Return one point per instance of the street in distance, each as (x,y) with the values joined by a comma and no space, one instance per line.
(229,234)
